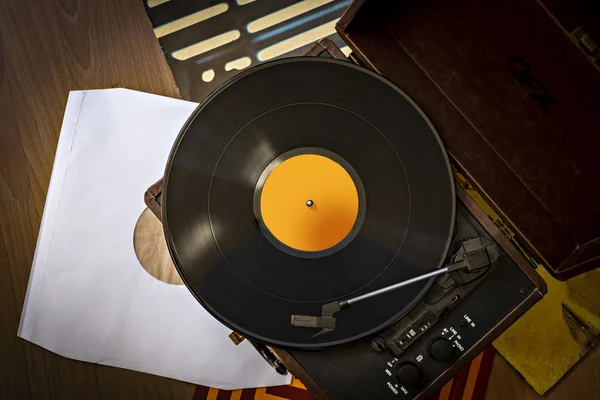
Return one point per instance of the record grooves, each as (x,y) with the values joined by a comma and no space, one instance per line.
(219,245)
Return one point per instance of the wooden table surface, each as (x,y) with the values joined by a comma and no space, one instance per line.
(47,48)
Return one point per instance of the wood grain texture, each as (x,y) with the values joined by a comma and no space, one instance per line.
(48,48)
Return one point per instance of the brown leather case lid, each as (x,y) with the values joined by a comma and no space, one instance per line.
(515,100)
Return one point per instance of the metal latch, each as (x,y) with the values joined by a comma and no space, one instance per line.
(586,43)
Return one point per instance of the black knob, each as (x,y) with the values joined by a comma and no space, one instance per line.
(441,349)
(408,374)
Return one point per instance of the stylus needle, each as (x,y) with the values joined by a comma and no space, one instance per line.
(474,255)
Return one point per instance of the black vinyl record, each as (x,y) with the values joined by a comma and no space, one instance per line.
(218,247)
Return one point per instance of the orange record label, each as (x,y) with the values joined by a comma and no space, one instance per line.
(309,202)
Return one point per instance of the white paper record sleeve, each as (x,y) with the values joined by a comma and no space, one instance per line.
(88,296)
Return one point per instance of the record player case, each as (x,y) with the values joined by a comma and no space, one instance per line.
(518,287)
(502,297)
(512,88)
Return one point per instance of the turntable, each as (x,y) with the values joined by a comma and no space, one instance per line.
(311,206)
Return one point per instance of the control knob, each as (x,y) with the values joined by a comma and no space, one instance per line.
(408,374)
(441,349)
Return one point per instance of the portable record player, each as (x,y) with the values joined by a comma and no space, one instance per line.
(309,203)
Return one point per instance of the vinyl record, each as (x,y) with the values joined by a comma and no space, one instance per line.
(317,122)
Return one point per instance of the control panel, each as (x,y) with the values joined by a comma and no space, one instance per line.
(441,348)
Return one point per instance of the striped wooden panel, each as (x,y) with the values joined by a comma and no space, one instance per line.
(469,384)
(293,391)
